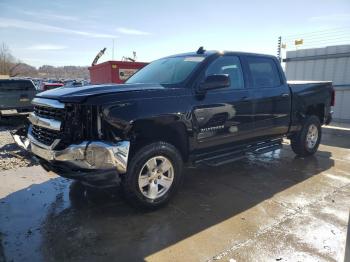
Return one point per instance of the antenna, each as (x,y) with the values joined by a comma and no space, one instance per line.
(200,50)
(113,50)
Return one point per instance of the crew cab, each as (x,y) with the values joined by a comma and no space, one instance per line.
(200,108)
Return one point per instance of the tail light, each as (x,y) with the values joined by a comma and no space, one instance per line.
(333,98)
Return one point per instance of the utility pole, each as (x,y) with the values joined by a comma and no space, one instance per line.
(279,48)
(113,50)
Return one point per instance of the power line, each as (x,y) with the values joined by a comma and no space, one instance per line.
(321,41)
(318,32)
(321,38)
(314,40)
(308,46)
(318,37)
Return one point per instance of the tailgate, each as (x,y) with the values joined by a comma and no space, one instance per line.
(16,99)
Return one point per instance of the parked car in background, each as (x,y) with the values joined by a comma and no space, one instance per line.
(75,83)
(16,96)
(48,86)
(68,82)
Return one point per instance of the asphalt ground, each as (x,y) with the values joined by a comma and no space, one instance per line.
(271,207)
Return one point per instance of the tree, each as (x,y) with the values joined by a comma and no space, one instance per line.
(9,65)
(7,61)
(22,69)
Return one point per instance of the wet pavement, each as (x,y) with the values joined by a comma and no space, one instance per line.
(272,207)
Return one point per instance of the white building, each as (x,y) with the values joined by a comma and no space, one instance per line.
(330,63)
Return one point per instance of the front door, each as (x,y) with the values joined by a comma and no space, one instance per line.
(224,115)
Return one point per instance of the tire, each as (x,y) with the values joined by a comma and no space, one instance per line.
(153,195)
(300,142)
(77,194)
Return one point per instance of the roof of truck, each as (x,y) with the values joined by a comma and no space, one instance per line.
(14,80)
(215,52)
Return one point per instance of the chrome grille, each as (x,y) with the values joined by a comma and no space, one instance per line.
(44,135)
(44,111)
(50,112)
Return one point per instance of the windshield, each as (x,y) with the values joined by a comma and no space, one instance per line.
(172,70)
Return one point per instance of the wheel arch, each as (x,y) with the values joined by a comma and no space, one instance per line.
(317,110)
(145,131)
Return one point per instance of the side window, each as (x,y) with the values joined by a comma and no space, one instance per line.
(264,72)
(228,65)
(29,85)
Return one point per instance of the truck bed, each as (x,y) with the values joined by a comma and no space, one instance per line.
(311,94)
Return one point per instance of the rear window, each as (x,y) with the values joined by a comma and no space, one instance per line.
(13,85)
(264,72)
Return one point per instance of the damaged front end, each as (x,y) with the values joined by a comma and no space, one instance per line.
(68,139)
(20,137)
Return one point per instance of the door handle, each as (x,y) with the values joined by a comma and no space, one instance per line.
(285,95)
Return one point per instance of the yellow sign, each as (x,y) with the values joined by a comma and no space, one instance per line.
(299,41)
(114,66)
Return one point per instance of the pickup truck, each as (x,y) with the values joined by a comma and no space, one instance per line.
(200,108)
(16,96)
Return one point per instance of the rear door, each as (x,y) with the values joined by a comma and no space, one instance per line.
(224,115)
(272,101)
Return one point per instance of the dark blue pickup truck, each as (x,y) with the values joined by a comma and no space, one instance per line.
(201,108)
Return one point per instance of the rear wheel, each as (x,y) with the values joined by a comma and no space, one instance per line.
(307,140)
(154,175)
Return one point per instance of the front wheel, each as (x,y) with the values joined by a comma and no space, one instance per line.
(154,175)
(306,141)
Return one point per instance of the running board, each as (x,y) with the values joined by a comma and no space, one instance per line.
(268,149)
(228,157)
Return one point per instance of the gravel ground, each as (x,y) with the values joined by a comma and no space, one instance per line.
(12,156)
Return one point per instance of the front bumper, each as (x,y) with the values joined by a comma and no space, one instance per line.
(103,178)
(79,160)
(94,155)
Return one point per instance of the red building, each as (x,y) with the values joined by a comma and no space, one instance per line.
(113,71)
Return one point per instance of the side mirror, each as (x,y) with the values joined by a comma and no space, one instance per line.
(215,82)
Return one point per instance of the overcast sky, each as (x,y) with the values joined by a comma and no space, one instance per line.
(72,32)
